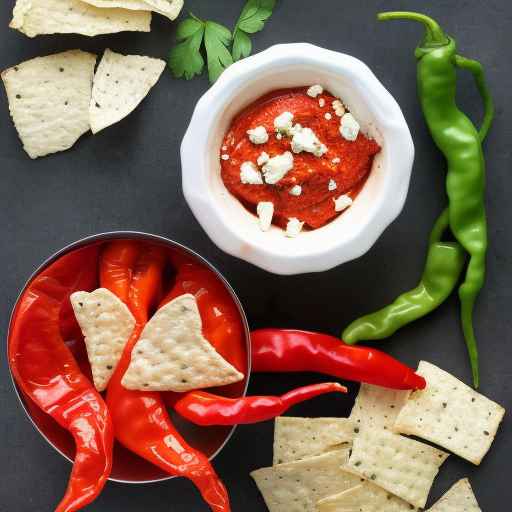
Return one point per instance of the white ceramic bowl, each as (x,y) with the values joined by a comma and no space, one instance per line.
(233,228)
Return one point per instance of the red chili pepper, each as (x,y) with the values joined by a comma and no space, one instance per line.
(141,421)
(281,350)
(206,409)
(47,373)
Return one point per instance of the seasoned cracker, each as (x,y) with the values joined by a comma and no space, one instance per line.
(450,414)
(460,498)
(404,467)
(173,355)
(106,324)
(121,82)
(297,486)
(299,438)
(168,8)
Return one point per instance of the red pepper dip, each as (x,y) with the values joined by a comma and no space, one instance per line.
(300,150)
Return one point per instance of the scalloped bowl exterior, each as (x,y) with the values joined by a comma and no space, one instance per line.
(233,228)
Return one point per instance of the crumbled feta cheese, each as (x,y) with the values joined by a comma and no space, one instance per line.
(336,160)
(258,135)
(277,167)
(224,148)
(315,90)
(339,108)
(328,116)
(263,158)
(294,227)
(279,136)
(342,203)
(306,140)
(296,190)
(283,123)
(332,185)
(265,211)
(349,127)
(321,103)
(250,175)
(225,157)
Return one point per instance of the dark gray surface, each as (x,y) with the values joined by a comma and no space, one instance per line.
(128,177)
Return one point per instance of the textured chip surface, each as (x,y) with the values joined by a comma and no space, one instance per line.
(173,355)
(297,486)
(366,497)
(450,414)
(169,8)
(35,17)
(299,438)
(404,467)
(460,498)
(377,407)
(106,324)
(49,100)
(121,82)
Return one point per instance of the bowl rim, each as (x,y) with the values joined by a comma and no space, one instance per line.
(386,110)
(135,235)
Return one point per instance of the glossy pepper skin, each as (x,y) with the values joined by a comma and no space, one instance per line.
(48,374)
(141,421)
(444,265)
(206,409)
(283,350)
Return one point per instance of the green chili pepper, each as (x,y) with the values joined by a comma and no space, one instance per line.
(445,261)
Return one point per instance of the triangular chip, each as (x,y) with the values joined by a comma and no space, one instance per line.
(460,498)
(121,82)
(173,355)
(299,438)
(49,100)
(35,17)
(364,498)
(106,324)
(297,486)
(168,8)
(450,414)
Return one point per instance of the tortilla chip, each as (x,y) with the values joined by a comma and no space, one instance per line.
(168,8)
(450,414)
(401,466)
(106,324)
(460,498)
(35,17)
(377,407)
(173,355)
(297,486)
(49,100)
(364,498)
(300,438)
(120,84)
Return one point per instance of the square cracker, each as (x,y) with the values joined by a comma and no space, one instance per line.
(297,486)
(299,438)
(460,498)
(121,82)
(168,8)
(106,324)
(366,497)
(35,17)
(377,407)
(404,467)
(173,355)
(49,100)
(450,414)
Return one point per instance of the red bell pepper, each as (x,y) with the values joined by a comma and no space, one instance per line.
(141,421)
(282,350)
(47,373)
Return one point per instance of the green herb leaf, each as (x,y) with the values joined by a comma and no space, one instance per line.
(185,59)
(242,45)
(217,39)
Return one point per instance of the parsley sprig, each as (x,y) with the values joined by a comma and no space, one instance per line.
(222,47)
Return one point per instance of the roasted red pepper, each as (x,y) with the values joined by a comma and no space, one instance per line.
(47,373)
(141,421)
(206,409)
(282,350)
